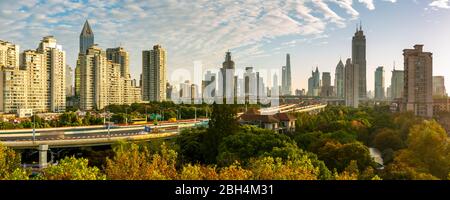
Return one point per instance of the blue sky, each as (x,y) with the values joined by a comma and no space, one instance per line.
(259,33)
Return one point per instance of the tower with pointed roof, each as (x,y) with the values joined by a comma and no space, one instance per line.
(359,60)
(86,41)
(86,38)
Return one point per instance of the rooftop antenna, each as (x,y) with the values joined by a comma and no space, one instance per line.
(360,25)
(394,65)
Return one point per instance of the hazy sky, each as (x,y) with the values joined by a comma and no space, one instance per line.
(258,32)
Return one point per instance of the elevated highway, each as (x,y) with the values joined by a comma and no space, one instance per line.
(88,136)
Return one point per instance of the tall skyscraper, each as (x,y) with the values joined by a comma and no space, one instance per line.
(339,80)
(120,56)
(286,81)
(154,74)
(250,85)
(418,92)
(86,38)
(86,41)
(56,67)
(397,84)
(69,81)
(327,88)
(275,91)
(227,82)
(439,86)
(359,60)
(351,84)
(314,83)
(379,84)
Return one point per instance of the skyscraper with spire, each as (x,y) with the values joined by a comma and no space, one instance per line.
(286,81)
(86,38)
(86,41)
(359,60)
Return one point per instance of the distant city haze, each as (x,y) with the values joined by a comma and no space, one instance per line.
(259,34)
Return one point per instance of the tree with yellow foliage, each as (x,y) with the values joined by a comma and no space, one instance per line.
(268,168)
(10,168)
(132,162)
(71,168)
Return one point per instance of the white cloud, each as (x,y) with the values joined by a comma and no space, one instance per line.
(369,4)
(440,4)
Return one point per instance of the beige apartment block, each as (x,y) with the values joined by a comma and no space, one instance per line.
(56,66)
(101,82)
(154,77)
(35,65)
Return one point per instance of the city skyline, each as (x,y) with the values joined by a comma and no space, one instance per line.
(306,35)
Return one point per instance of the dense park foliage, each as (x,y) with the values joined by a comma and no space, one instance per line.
(331,145)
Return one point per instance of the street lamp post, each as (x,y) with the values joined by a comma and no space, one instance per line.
(145,114)
(34,127)
(126,116)
(195,108)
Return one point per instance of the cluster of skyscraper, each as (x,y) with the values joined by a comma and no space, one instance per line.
(350,79)
(412,89)
(102,77)
(39,80)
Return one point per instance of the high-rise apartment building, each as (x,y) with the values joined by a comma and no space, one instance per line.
(101,82)
(351,84)
(286,81)
(154,74)
(339,80)
(56,67)
(93,87)
(38,83)
(37,86)
(13,90)
(120,56)
(379,84)
(9,54)
(359,60)
(418,92)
